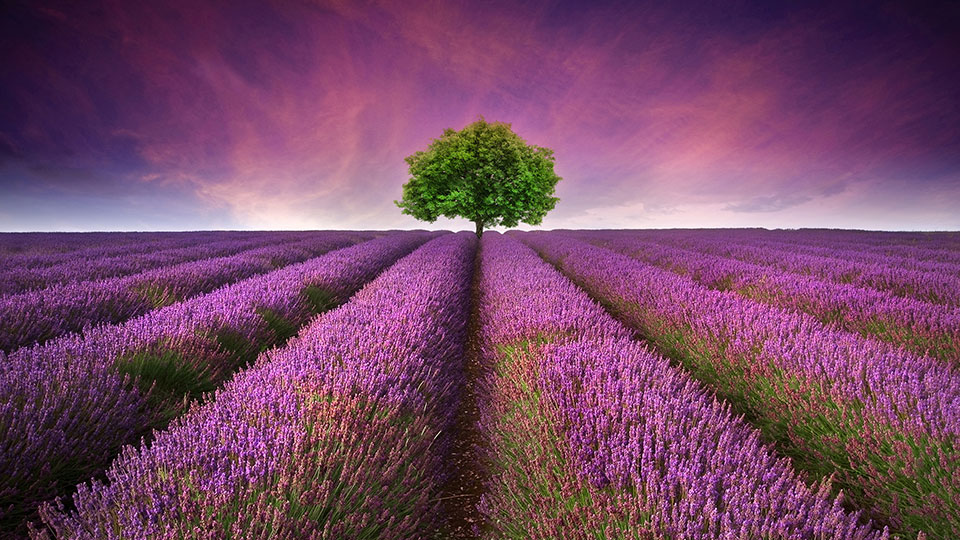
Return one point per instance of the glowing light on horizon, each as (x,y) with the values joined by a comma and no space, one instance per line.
(298,115)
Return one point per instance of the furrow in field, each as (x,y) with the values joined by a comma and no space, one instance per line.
(37,316)
(339,435)
(591,435)
(883,422)
(460,494)
(68,406)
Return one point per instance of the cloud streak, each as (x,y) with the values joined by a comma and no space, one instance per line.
(297,114)
(774,203)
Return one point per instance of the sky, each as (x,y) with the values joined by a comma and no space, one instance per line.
(186,115)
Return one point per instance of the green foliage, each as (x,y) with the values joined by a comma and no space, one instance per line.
(157,294)
(485,173)
(168,377)
(320,300)
(284,329)
(240,350)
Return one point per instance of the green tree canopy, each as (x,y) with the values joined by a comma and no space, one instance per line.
(485,173)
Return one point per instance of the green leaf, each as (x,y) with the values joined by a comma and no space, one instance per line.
(485,173)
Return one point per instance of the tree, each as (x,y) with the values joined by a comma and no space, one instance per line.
(485,173)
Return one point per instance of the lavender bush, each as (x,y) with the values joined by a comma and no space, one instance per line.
(338,435)
(835,260)
(593,436)
(38,250)
(938,286)
(884,422)
(758,384)
(68,406)
(922,327)
(36,316)
(78,268)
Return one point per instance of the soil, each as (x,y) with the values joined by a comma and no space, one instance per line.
(460,497)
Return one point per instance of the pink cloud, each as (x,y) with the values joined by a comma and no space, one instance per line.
(301,112)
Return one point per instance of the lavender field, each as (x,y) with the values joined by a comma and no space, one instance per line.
(726,383)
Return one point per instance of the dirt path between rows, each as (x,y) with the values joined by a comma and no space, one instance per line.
(460,497)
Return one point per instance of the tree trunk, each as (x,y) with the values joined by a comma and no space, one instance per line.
(479,229)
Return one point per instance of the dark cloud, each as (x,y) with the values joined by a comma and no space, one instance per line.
(261,106)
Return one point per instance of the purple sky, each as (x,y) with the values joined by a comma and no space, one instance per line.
(125,115)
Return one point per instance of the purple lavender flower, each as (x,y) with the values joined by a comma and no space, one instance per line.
(883,421)
(68,406)
(338,435)
(922,327)
(592,435)
(36,316)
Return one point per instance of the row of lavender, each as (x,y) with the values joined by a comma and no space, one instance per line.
(931,282)
(920,246)
(921,327)
(339,435)
(136,258)
(37,250)
(68,406)
(926,246)
(890,247)
(860,255)
(588,431)
(883,422)
(594,436)
(343,433)
(36,316)
(926,281)
(885,256)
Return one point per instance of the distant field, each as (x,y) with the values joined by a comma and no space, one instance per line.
(410,384)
